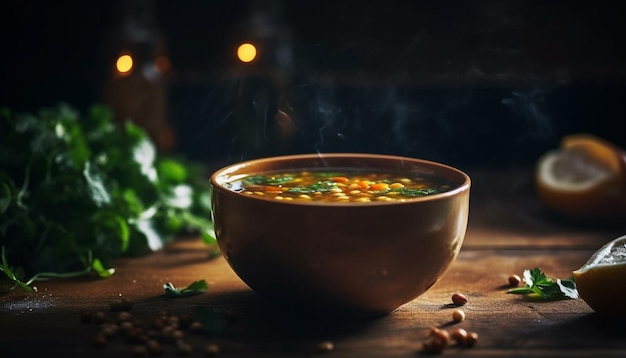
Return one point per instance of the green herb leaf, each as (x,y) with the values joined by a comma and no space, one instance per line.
(568,287)
(75,186)
(320,186)
(97,266)
(8,271)
(416,192)
(267,180)
(195,288)
(538,285)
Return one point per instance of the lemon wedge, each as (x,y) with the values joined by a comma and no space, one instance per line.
(601,281)
(584,178)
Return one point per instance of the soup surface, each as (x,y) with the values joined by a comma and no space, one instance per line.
(337,185)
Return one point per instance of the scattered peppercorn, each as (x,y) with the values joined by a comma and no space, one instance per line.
(211,349)
(124,316)
(125,326)
(165,329)
(196,327)
(100,341)
(123,304)
(99,317)
(139,350)
(172,320)
(183,348)
(109,329)
(178,334)
(154,347)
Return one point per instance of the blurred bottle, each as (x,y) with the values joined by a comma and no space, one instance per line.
(138,62)
(262,120)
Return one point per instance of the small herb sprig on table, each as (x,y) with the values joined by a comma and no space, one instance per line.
(538,285)
(195,288)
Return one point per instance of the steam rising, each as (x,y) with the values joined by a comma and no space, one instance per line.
(529,107)
(437,124)
(463,93)
(328,115)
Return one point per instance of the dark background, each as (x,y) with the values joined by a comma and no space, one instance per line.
(463,82)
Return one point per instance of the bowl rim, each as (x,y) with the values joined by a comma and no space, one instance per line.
(216,184)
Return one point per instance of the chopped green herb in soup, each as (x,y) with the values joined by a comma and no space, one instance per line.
(340,186)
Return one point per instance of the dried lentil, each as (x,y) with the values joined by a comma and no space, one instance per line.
(433,346)
(514,280)
(458,315)
(440,334)
(458,335)
(471,339)
(459,299)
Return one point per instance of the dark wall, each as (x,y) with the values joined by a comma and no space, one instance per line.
(465,82)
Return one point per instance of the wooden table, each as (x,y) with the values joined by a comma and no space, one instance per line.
(509,231)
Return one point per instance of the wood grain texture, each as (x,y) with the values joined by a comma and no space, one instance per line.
(504,237)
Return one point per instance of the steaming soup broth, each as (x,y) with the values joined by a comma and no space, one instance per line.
(340,185)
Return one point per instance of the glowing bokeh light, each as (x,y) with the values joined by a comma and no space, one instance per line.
(246,52)
(124,64)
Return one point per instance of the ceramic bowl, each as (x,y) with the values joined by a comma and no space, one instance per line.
(354,258)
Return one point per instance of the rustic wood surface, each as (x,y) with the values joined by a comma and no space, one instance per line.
(508,231)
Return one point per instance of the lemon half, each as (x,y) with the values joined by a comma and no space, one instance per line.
(584,178)
(601,281)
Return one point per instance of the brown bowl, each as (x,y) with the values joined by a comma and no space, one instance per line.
(356,258)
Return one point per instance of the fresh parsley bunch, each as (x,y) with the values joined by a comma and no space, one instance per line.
(79,191)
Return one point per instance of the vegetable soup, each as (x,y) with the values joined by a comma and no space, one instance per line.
(340,185)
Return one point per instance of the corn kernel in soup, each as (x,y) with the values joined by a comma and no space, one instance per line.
(340,186)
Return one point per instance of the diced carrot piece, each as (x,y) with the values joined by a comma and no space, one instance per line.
(273,189)
(339,180)
(363,184)
(379,186)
